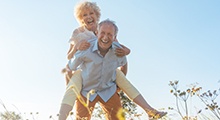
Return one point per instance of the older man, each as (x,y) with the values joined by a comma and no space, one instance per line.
(98,65)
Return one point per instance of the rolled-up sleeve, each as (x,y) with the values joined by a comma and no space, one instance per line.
(123,61)
(76,60)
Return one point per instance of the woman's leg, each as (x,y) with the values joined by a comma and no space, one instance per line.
(124,84)
(134,94)
(64,111)
(73,89)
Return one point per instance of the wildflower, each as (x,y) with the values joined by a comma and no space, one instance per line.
(171,91)
(71,113)
(182,94)
(176,82)
(121,114)
(199,111)
(92,91)
(188,90)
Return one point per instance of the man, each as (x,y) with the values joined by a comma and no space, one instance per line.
(98,65)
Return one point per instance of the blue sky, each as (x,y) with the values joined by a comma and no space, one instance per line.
(169,40)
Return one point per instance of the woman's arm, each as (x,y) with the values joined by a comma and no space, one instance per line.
(72,50)
(127,50)
(120,52)
(82,45)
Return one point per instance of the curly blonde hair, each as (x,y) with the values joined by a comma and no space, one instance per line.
(82,6)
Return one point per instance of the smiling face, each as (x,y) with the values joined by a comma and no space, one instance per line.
(89,19)
(87,14)
(106,35)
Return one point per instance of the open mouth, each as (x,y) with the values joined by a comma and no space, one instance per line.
(104,41)
(90,21)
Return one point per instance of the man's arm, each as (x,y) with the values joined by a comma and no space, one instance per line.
(77,59)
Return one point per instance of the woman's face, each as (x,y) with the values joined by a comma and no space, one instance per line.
(89,19)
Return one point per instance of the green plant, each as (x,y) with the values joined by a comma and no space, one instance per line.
(9,115)
(129,106)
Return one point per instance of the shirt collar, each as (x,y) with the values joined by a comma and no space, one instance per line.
(95,47)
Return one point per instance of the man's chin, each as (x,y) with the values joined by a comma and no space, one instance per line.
(105,47)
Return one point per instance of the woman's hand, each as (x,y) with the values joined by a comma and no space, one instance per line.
(83,45)
(120,52)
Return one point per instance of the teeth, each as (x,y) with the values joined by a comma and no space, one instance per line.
(104,41)
(90,21)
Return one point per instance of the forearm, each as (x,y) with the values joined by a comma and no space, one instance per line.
(127,50)
(71,53)
(124,68)
(123,51)
(82,45)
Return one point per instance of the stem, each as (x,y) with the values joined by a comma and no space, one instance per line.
(213,111)
(177,105)
(216,109)
(186,109)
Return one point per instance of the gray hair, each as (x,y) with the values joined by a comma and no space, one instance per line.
(108,21)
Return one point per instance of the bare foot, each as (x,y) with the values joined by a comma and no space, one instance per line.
(154,114)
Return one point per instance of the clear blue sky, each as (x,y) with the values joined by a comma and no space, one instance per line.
(169,40)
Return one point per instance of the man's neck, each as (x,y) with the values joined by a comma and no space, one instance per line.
(103,52)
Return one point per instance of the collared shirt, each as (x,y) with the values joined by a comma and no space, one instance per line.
(98,72)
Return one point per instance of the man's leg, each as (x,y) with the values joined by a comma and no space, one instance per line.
(111,107)
(82,111)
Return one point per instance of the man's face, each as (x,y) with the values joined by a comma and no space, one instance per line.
(106,35)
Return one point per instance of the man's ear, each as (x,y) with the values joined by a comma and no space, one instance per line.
(115,39)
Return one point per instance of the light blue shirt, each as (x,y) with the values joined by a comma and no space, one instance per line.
(98,72)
